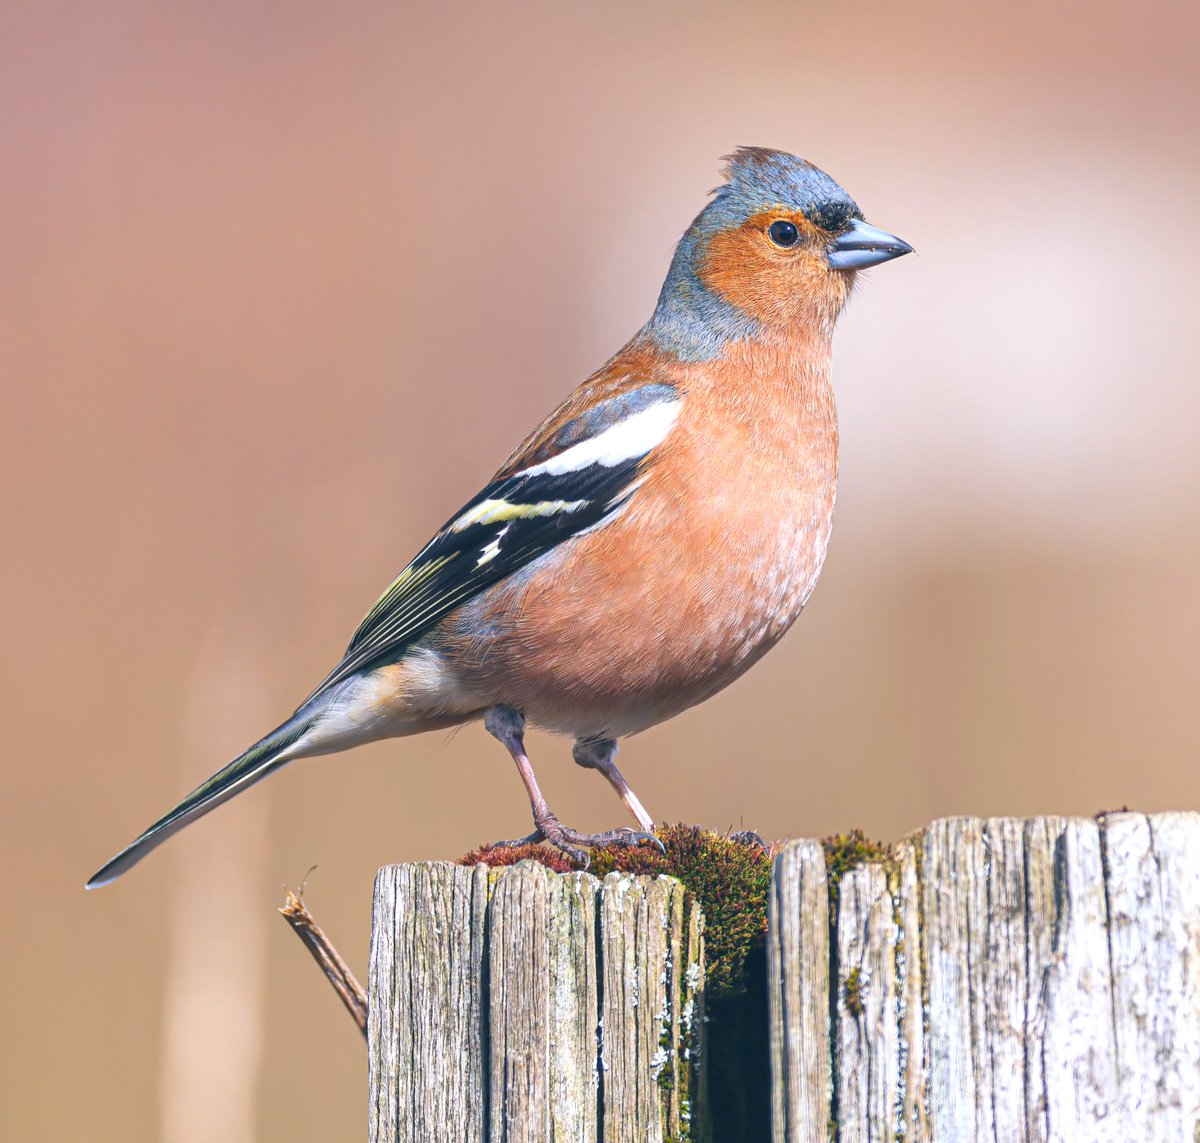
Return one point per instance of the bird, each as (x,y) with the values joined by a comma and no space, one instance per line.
(645,545)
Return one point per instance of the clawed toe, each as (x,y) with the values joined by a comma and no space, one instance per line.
(567,839)
(575,845)
(628,838)
(561,838)
(550,830)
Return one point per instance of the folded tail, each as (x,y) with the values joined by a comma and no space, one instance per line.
(261,759)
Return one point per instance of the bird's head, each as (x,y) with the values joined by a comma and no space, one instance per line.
(777,249)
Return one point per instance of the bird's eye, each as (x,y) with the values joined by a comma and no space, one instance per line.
(783,233)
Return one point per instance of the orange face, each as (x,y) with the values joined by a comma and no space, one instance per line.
(775,268)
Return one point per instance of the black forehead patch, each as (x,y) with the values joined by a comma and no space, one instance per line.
(832,216)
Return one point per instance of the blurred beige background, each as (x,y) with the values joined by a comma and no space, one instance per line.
(281,283)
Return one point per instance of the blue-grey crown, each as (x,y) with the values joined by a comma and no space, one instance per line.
(757,178)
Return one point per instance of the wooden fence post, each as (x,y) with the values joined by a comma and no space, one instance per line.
(523,1006)
(1014,981)
(1001,980)
(798,978)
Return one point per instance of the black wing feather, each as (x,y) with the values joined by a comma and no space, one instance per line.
(451,568)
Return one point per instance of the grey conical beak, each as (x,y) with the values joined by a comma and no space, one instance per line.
(864,245)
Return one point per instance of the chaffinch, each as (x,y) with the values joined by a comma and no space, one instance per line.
(646,544)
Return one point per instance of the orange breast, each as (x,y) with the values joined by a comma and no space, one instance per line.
(706,568)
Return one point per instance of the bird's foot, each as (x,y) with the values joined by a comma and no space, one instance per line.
(574,844)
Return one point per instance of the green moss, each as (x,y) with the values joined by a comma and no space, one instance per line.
(852,990)
(847,851)
(728,879)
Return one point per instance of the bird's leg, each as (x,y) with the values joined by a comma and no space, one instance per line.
(598,754)
(508,725)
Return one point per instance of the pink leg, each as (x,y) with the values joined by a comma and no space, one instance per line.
(598,754)
(508,725)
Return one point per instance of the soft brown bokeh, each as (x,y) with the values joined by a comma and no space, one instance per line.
(282,283)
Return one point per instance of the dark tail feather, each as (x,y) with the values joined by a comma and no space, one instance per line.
(256,763)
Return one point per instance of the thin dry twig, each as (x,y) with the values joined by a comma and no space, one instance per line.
(337,971)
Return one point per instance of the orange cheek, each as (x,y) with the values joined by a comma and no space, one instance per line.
(768,288)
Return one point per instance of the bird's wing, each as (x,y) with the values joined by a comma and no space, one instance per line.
(574,473)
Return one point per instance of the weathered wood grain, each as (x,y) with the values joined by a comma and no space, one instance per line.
(635,1014)
(868,1033)
(426,1004)
(519,992)
(1152,872)
(954,889)
(995,981)
(1079,1061)
(574,1009)
(975,941)
(1001,1052)
(988,981)
(1041,840)
(798,997)
(523,1006)
(912,1114)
